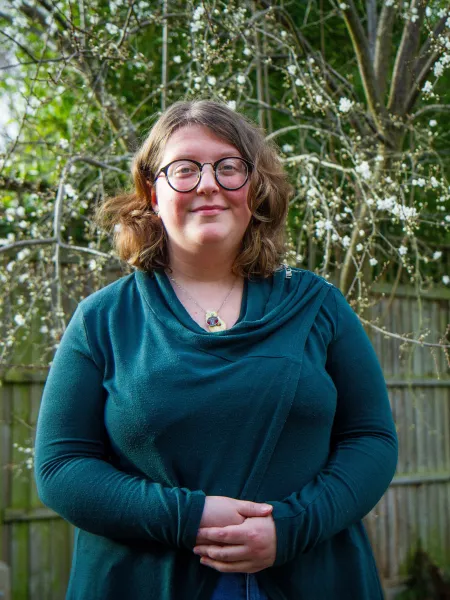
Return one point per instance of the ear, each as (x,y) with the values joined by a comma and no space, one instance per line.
(154,199)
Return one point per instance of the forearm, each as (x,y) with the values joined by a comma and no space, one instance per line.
(95,496)
(353,481)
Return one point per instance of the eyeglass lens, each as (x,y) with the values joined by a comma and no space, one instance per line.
(184,175)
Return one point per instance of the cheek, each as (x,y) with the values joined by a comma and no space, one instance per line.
(241,204)
(176,205)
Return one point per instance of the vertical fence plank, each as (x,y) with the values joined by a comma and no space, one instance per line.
(20,492)
(60,558)
(40,579)
(5,470)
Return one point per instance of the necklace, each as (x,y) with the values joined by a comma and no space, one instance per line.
(213,321)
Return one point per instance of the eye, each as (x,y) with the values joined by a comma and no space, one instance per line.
(231,166)
(183,170)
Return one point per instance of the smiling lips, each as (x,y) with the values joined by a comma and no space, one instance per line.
(213,207)
(208,208)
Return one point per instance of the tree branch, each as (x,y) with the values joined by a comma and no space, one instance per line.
(371,10)
(383,47)
(367,73)
(416,87)
(403,68)
(430,108)
(425,50)
(119,121)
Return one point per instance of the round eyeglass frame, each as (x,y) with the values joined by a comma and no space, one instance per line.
(200,166)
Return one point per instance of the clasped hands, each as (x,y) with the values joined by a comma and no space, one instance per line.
(236,536)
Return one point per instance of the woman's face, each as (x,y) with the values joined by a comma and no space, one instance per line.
(187,226)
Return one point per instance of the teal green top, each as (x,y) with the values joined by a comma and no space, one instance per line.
(144,413)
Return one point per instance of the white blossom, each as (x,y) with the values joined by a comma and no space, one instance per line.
(438,69)
(318,98)
(437,255)
(343,6)
(298,82)
(111,28)
(433,123)
(428,11)
(241,79)
(23,254)
(19,320)
(43,329)
(373,262)
(404,212)
(345,105)
(70,191)
(445,279)
(92,265)
(211,80)
(287,148)
(427,87)
(364,170)
(232,104)
(402,250)
(346,241)
(434,182)
(177,59)
(196,26)
(359,247)
(247,51)
(63,143)
(362,233)
(389,2)
(292,69)
(198,13)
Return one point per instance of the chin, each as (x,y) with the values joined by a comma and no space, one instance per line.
(211,236)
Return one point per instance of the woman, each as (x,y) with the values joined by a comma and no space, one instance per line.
(215,426)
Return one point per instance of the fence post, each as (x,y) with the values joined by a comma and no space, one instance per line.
(5,582)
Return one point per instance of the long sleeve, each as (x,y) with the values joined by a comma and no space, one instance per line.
(72,471)
(363,453)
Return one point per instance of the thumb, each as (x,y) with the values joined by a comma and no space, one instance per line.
(254,509)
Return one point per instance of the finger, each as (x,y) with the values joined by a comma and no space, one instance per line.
(232,534)
(223,553)
(236,567)
(254,509)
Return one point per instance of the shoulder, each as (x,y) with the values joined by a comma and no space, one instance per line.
(109,297)
(295,274)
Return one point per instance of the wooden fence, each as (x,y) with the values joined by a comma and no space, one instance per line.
(37,544)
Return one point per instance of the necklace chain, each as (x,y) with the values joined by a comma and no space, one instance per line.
(193,300)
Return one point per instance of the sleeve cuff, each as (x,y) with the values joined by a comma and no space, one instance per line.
(193,519)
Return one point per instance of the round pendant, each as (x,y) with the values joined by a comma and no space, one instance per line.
(214,322)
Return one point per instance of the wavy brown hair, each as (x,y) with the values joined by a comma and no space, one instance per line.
(139,235)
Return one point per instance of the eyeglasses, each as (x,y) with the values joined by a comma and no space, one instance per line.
(184,175)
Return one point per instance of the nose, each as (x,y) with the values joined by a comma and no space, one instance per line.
(208,183)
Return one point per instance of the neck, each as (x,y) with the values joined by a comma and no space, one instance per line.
(205,267)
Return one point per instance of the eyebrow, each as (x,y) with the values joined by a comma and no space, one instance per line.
(188,156)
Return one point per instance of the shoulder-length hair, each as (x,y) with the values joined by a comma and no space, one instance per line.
(140,238)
